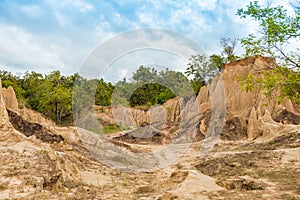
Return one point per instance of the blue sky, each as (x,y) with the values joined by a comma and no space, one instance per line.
(59,34)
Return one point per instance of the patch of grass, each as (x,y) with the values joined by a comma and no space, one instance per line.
(96,130)
(169,108)
(115,128)
(42,151)
(143,107)
(111,129)
(126,182)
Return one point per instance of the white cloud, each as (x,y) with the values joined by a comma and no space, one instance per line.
(31,10)
(19,48)
(82,6)
(206,4)
(61,19)
(77,26)
(131,49)
(23,50)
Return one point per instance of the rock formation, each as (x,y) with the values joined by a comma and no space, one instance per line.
(246,110)
(4,120)
(62,167)
(247,113)
(7,132)
(10,99)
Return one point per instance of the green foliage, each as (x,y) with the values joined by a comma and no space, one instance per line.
(111,129)
(144,74)
(64,98)
(103,93)
(280,83)
(277,31)
(218,61)
(56,100)
(150,87)
(201,70)
(150,94)
(51,94)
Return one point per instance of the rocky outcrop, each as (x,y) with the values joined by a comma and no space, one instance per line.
(10,99)
(36,117)
(3,112)
(14,123)
(7,132)
(246,111)
(168,114)
(4,120)
(11,103)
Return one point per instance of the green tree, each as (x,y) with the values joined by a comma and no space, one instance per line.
(103,93)
(227,54)
(33,89)
(56,100)
(201,70)
(277,31)
(144,74)
(149,87)
(228,46)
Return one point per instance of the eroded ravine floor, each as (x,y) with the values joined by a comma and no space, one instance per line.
(31,169)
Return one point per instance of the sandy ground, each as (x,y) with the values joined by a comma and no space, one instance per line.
(31,169)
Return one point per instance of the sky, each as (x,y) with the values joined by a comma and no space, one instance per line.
(47,35)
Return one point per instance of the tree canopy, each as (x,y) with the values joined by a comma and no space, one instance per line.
(278,30)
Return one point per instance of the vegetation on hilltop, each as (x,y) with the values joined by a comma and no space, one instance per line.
(279,32)
(51,94)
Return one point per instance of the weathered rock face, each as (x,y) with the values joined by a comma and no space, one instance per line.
(11,103)
(3,113)
(169,114)
(7,131)
(246,111)
(35,117)
(124,116)
(240,102)
(10,99)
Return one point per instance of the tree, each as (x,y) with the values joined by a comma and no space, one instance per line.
(103,93)
(218,61)
(153,86)
(149,87)
(228,46)
(56,99)
(144,74)
(201,70)
(33,89)
(277,31)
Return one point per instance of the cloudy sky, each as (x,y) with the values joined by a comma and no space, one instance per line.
(61,34)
